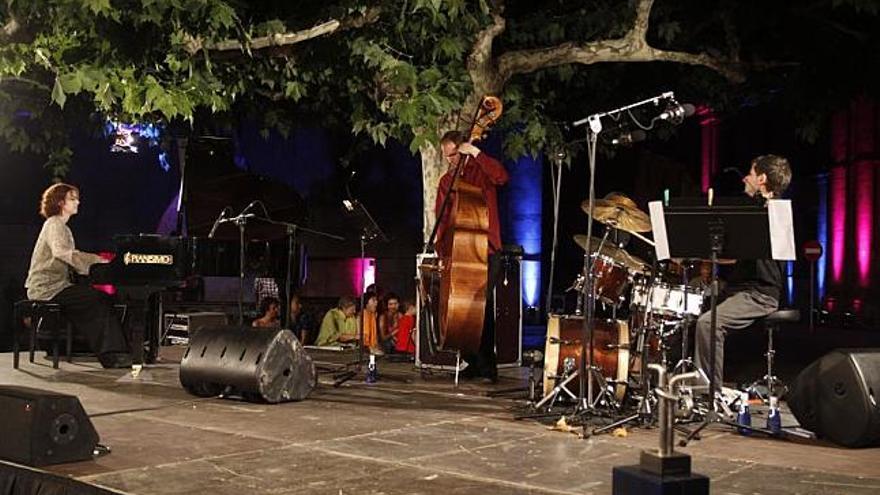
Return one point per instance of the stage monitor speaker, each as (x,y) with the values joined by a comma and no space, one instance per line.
(40,427)
(259,364)
(835,397)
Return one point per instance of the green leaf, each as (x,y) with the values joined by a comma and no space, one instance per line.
(104,97)
(99,6)
(58,95)
(293,90)
(71,82)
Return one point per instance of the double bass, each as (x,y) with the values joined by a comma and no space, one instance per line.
(461,302)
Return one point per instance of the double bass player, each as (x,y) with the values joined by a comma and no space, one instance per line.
(486,173)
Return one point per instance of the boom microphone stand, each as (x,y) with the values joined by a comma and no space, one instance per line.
(240,220)
(370,231)
(586,400)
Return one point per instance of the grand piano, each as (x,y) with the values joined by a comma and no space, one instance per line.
(147,267)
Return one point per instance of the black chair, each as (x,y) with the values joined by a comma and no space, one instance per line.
(46,323)
(774,385)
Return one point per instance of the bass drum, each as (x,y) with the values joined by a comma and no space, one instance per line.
(611,344)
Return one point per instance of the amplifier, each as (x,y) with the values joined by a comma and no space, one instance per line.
(177,327)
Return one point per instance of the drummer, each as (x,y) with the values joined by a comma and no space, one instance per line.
(754,287)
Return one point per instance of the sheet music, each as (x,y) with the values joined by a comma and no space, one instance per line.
(781,230)
(658,225)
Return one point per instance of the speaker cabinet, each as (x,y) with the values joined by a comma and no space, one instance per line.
(259,364)
(40,427)
(508,311)
(835,397)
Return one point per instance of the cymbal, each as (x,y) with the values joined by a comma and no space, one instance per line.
(619,212)
(609,250)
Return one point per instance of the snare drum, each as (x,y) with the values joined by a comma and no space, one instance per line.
(611,342)
(667,300)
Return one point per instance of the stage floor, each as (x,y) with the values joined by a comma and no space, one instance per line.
(405,434)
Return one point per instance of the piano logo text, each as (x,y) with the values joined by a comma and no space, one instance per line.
(147,259)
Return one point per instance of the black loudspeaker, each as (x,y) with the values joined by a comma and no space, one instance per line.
(508,310)
(40,427)
(259,364)
(834,397)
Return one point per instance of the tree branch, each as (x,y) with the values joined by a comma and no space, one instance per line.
(278,39)
(638,34)
(11,27)
(195,45)
(480,57)
(29,82)
(632,47)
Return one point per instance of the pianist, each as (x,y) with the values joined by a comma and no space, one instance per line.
(54,259)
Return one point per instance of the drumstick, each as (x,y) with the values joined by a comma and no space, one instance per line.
(649,241)
(711,196)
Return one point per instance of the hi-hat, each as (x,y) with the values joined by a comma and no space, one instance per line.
(620,212)
(609,250)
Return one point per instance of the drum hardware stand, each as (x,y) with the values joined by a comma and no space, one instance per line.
(644,415)
(533,357)
(685,363)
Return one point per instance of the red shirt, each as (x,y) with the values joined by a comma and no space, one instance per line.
(404,334)
(486,173)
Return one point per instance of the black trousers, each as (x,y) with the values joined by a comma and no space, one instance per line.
(93,317)
(485,361)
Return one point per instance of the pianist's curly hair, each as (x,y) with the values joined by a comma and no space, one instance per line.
(53,197)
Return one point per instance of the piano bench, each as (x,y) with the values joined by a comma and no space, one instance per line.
(46,322)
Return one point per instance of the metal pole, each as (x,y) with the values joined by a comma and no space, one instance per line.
(812,289)
(241,271)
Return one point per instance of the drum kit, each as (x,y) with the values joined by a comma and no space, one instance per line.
(642,307)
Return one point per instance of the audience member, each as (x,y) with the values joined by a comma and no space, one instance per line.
(406,334)
(339,325)
(301,323)
(389,322)
(270,309)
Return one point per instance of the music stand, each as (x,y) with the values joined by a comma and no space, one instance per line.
(369,231)
(731,228)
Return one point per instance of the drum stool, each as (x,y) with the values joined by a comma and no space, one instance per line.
(771,322)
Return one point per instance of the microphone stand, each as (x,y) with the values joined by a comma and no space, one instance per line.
(241,221)
(557,183)
(586,402)
(291,229)
(370,230)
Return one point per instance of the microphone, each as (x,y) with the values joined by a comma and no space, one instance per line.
(250,205)
(677,112)
(631,137)
(217,223)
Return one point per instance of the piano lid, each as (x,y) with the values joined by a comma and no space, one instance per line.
(212,182)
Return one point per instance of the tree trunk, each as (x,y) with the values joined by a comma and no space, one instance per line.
(432,169)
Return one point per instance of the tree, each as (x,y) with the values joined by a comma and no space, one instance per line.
(409,70)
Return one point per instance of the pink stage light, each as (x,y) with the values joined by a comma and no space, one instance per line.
(107,289)
(363,273)
(864,219)
(838,222)
(709,140)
